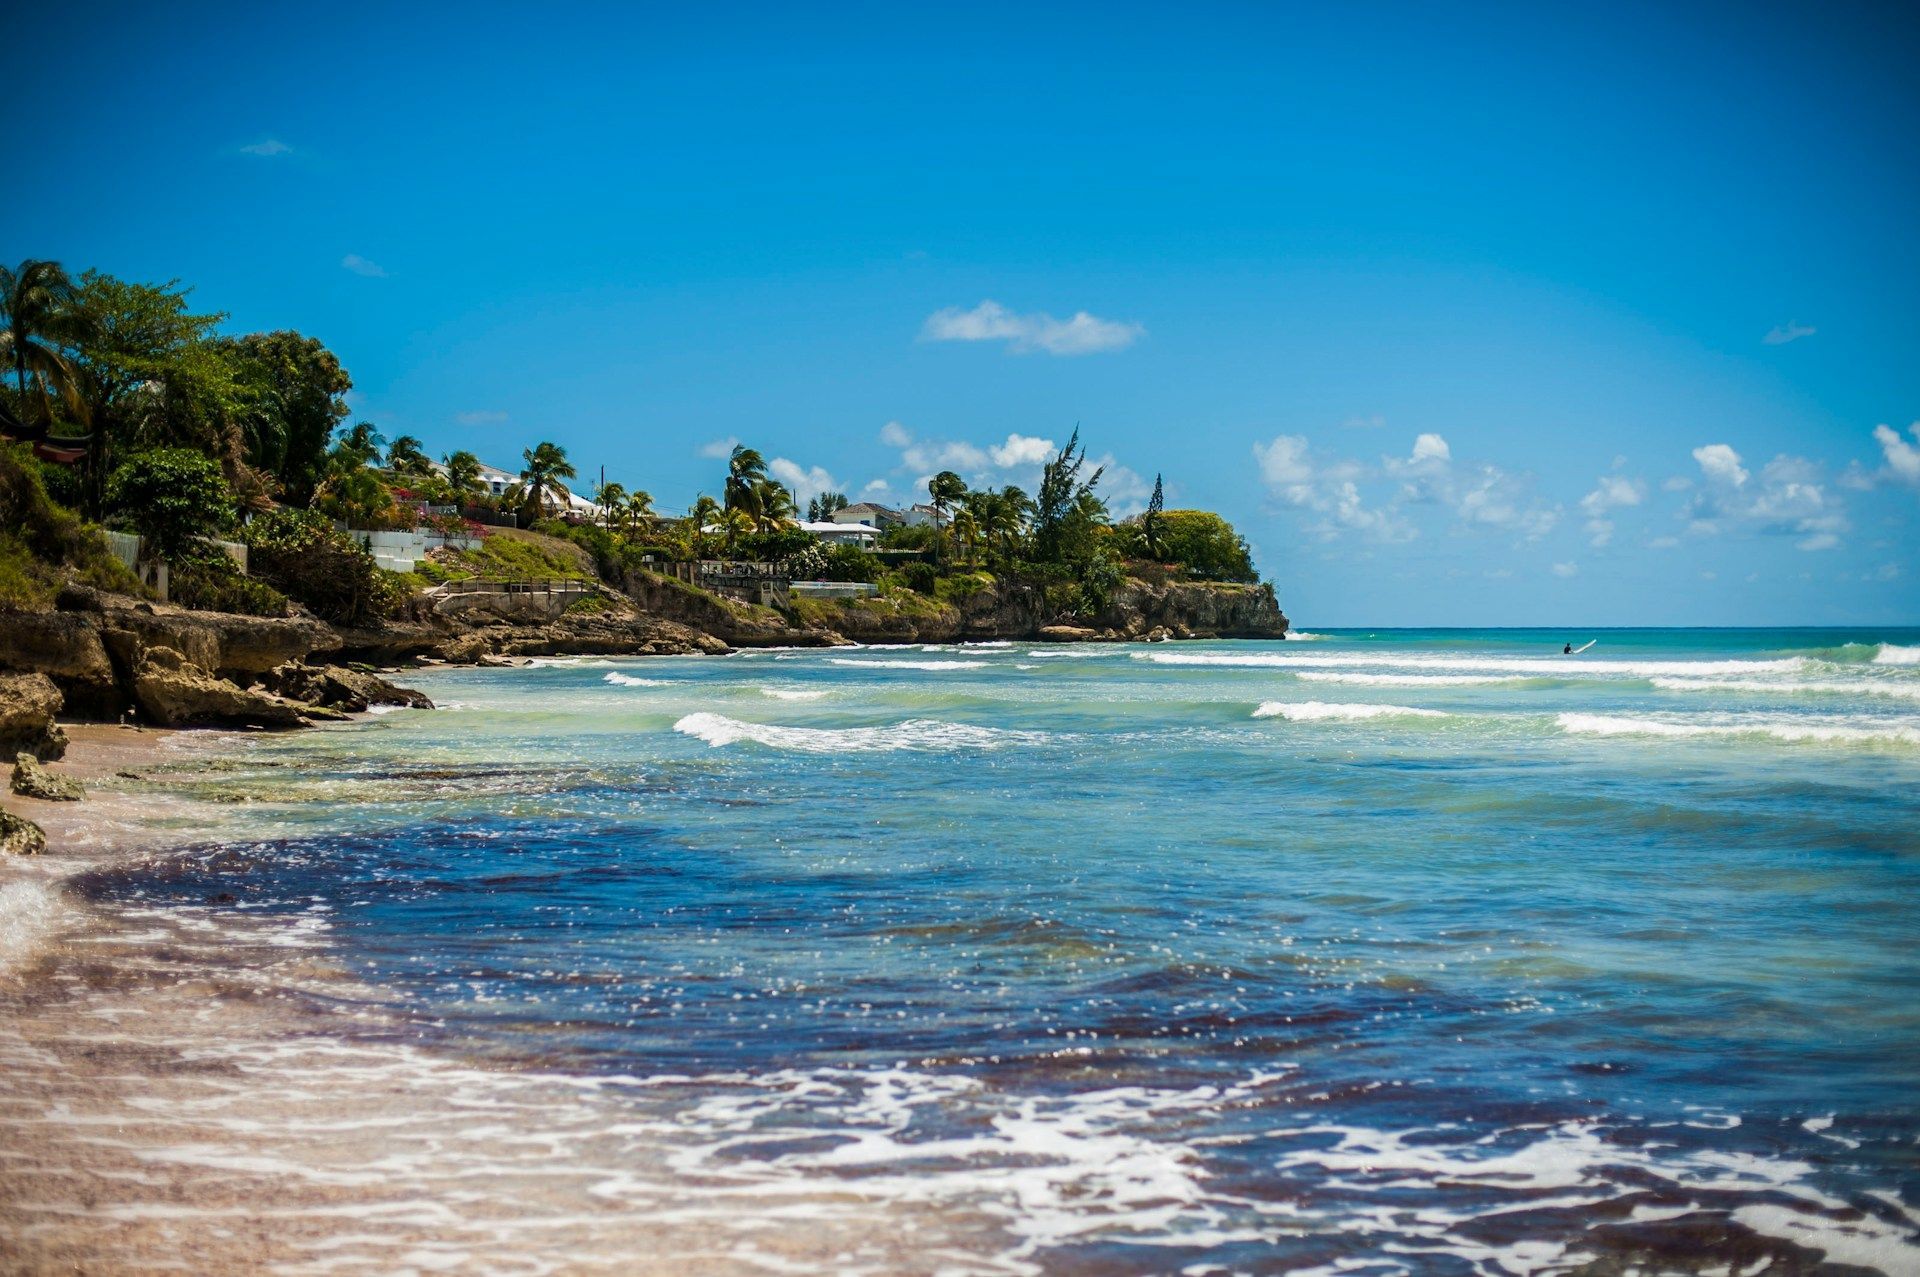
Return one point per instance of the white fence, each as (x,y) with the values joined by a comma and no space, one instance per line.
(132,551)
(400,551)
(834,589)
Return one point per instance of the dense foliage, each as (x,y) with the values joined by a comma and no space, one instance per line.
(1199,540)
(306,558)
(42,543)
(173,497)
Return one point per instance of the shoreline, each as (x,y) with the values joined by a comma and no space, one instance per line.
(206,1087)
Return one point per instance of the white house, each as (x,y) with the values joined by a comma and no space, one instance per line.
(497,482)
(835,532)
(922,516)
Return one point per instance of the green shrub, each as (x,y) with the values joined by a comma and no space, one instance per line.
(587,605)
(848,563)
(301,554)
(1199,540)
(920,577)
(958,589)
(173,497)
(42,542)
(205,579)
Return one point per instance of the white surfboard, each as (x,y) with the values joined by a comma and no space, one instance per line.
(1583,647)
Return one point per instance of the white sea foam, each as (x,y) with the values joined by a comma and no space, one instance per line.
(796,693)
(1321,711)
(1860,686)
(924,734)
(628,680)
(1894,654)
(1305,636)
(1408,680)
(1774,728)
(909,665)
(29,912)
(1533,667)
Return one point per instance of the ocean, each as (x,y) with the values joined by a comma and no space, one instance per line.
(1372,951)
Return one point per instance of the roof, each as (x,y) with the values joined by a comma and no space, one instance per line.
(875,506)
(819,529)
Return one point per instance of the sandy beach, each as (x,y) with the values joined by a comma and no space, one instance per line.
(198,1090)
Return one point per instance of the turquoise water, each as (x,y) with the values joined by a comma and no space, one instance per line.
(1381,951)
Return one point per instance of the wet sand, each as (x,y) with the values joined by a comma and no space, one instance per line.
(198,1089)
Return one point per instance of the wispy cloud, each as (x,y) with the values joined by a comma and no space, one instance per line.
(1566,569)
(1480,494)
(720,447)
(361,266)
(1015,460)
(1611,492)
(1083,334)
(486,418)
(266,146)
(1781,334)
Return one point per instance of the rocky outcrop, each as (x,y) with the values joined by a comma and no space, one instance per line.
(736,624)
(171,691)
(339,688)
(67,648)
(20,836)
(31,780)
(1194,609)
(28,703)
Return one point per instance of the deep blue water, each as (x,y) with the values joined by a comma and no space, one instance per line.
(1424,951)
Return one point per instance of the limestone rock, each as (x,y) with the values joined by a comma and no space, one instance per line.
(67,648)
(1067,634)
(20,836)
(28,703)
(173,692)
(31,780)
(340,688)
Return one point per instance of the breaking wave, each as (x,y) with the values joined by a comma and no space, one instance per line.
(909,665)
(1894,654)
(1531,666)
(796,693)
(629,680)
(1322,711)
(1410,680)
(920,734)
(1776,729)
(1906,691)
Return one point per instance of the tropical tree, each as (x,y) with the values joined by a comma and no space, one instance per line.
(359,446)
(405,456)
(746,472)
(825,506)
(300,387)
(463,472)
(1150,521)
(735,524)
(706,513)
(173,497)
(1059,521)
(540,486)
(966,533)
(636,514)
(609,497)
(40,321)
(773,504)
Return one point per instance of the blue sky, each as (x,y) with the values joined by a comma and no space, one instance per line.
(1463,314)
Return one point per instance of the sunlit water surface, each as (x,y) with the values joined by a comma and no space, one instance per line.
(1382,952)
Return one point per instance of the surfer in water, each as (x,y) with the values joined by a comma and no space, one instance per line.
(1567,650)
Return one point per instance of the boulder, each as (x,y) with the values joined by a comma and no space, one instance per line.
(338,687)
(67,648)
(218,642)
(1067,634)
(173,692)
(467,649)
(20,836)
(31,780)
(28,703)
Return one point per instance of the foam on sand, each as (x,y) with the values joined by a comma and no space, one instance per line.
(1759,728)
(1322,711)
(29,913)
(921,734)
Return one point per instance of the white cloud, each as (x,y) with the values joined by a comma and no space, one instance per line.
(1781,334)
(361,266)
(720,447)
(1566,569)
(805,482)
(895,435)
(875,488)
(1902,458)
(1479,494)
(266,146)
(1084,334)
(488,418)
(1611,492)
(1721,464)
(1431,447)
(1789,498)
(1022,450)
(1291,473)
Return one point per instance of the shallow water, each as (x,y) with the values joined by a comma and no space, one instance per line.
(1380,952)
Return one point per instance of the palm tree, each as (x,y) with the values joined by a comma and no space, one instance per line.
(404,456)
(540,486)
(746,471)
(463,472)
(773,504)
(609,497)
(637,514)
(966,532)
(943,490)
(734,524)
(38,299)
